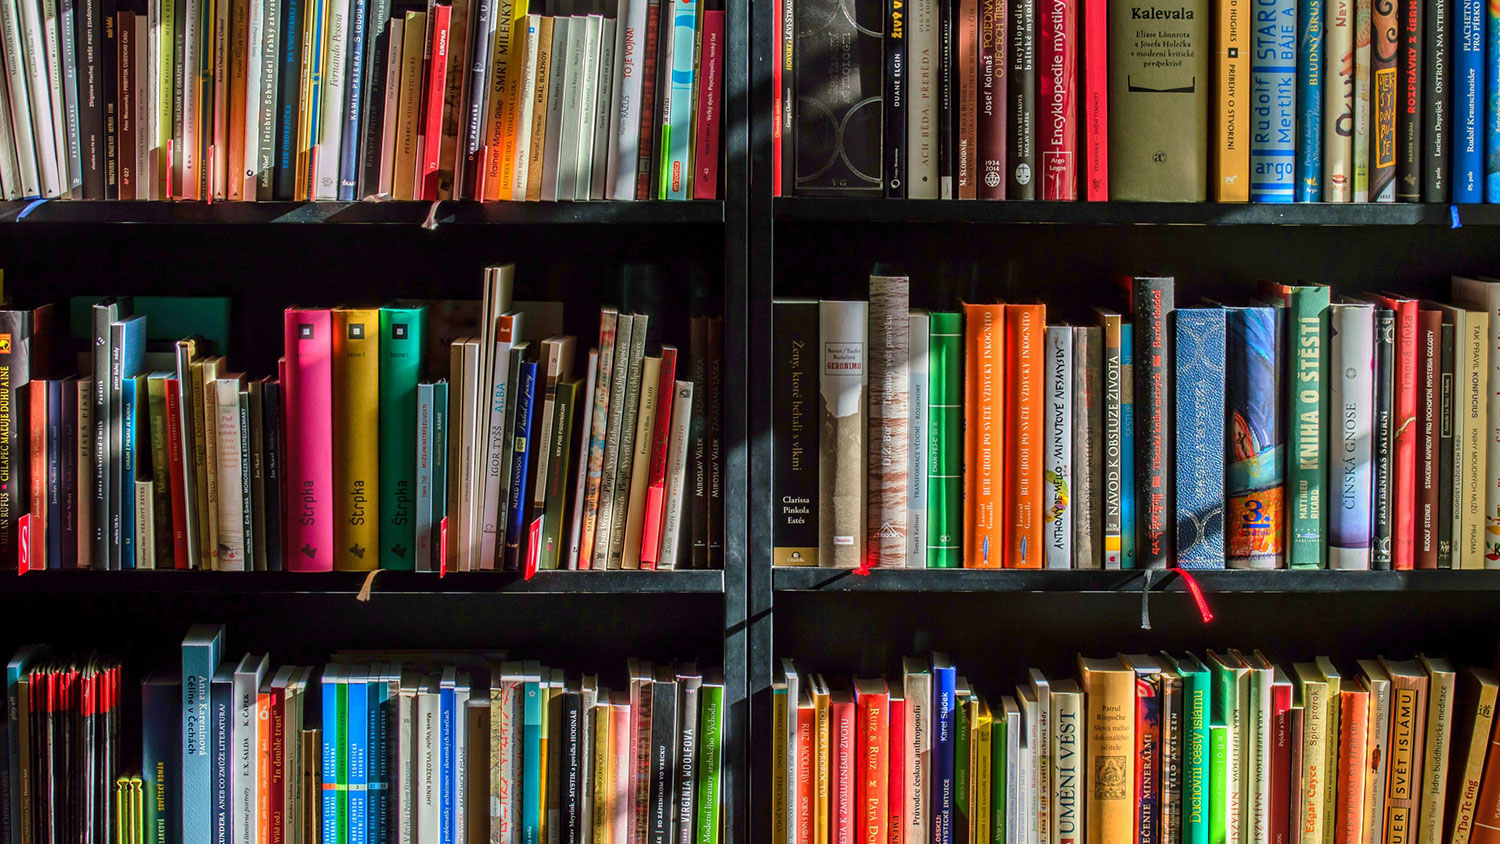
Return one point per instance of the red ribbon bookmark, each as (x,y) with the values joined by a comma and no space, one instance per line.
(1197,592)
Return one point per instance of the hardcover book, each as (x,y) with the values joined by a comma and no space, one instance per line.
(838,112)
(1352,354)
(890,412)
(1021,101)
(919,337)
(1112,486)
(1338,101)
(1057,513)
(356,448)
(1025,329)
(1146,93)
(402,333)
(1255,502)
(1152,306)
(1199,407)
(1385,23)
(985,489)
(308,400)
(1057,56)
(1311,59)
(841,454)
(1273,97)
(1468,125)
(945,443)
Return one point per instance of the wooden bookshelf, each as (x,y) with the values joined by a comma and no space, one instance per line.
(702,212)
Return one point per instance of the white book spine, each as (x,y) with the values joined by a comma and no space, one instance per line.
(428,826)
(254,116)
(1026,773)
(12,47)
(244,753)
(921,113)
(51,56)
(331,115)
(1234,749)
(470,480)
(1262,732)
(676,480)
(145,526)
(1057,514)
(572,107)
(789,737)
(527,108)
(588,92)
(393,59)
(491,537)
(575,536)
(1485,296)
(560,60)
(460,762)
(1352,400)
(625,120)
(603,98)
(1362,54)
(406,766)
(1043,762)
(10,177)
(144,133)
(1013,752)
(918,755)
(918,328)
(185,162)
(231,496)
(1338,101)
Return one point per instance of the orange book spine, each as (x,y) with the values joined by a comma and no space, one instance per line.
(263,766)
(806,718)
(1354,718)
(984,435)
(1487,811)
(1025,326)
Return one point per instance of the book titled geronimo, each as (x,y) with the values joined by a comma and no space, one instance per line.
(1159,76)
(1025,334)
(890,415)
(838,107)
(841,452)
(984,407)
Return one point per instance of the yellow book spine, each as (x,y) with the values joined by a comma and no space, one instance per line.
(538,127)
(408,107)
(505,95)
(1473,410)
(822,765)
(1405,776)
(979,778)
(356,438)
(1231,163)
(306,123)
(1109,695)
(603,770)
(1332,729)
(779,796)
(1314,755)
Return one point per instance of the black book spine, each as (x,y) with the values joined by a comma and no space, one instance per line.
(104,313)
(1410,161)
(270,403)
(788,45)
(114,444)
(838,148)
(894,152)
(109,94)
(472,124)
(794,434)
(715,444)
(660,820)
(698,442)
(947,113)
(247,489)
(1152,303)
(572,787)
(87,29)
(15,369)
(1020,152)
(1385,373)
(1447,395)
(1436,120)
(54,474)
(662,118)
(288,99)
(69,469)
(685,789)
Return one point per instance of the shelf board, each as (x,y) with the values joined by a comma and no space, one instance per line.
(349,583)
(820,210)
(1033,580)
(697,212)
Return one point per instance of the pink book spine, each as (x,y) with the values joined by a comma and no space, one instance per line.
(710,90)
(1095,101)
(437,76)
(308,406)
(656,488)
(1057,87)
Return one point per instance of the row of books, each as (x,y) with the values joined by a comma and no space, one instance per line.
(375,747)
(1302,430)
(383,442)
(361,99)
(1141,749)
(1276,101)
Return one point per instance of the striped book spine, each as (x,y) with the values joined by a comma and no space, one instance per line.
(1273,73)
(1199,406)
(890,415)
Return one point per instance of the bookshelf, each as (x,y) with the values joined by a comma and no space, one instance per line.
(705,212)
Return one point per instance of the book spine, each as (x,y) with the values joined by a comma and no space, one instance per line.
(356,448)
(1362,57)
(1404,454)
(1114,482)
(1148,724)
(1109,700)
(1409,130)
(1057,40)
(1438,745)
(1057,524)
(921,91)
(1469,124)
(221,788)
(946,91)
(355,88)
(1088,457)
(1384,440)
(944,739)
(1307,311)
(436,70)
(1447,455)
(1384,23)
(841,453)
(288,97)
(559,477)
(1152,299)
(650,92)
(1021,102)
(983,501)
(423,517)
(1429,375)
(991,129)
(895,97)
(1274,93)
(1200,437)
(1128,526)
(966,30)
(308,401)
(1024,365)
(15,368)
(275,471)
(919,436)
(1255,496)
(1338,101)
(1403,797)
(402,335)
(709,108)
(520,472)
(1352,354)
(1434,149)
(945,442)
(890,412)
(1311,60)
(1230,164)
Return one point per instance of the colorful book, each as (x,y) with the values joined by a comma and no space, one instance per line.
(1255,498)
(1469,122)
(1274,97)
(1338,101)
(1311,60)
(1152,306)
(1128,524)
(308,403)
(985,489)
(356,445)
(945,443)
(1351,366)
(1385,23)
(1025,333)
(1057,513)
(402,335)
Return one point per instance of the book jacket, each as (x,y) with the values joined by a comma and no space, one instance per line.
(841,451)
(1199,405)
(1255,504)
(1159,76)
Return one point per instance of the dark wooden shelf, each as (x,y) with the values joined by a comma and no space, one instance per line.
(1015,580)
(819,210)
(697,212)
(387,582)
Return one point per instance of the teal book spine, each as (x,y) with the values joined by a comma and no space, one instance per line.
(1218,797)
(676,136)
(531,771)
(1197,761)
(439,468)
(1307,465)
(130,388)
(402,334)
(945,469)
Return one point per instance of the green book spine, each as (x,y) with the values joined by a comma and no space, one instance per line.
(945,471)
(1308,313)
(341,763)
(559,501)
(401,338)
(1218,795)
(710,761)
(962,747)
(999,781)
(1196,755)
(156,408)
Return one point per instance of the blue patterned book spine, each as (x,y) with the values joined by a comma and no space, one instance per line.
(1127,445)
(1491,102)
(1310,101)
(1273,74)
(1200,354)
(1255,502)
(1468,101)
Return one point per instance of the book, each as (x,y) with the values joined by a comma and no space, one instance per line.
(307,403)
(845,162)
(1474,714)
(1312,56)
(1409,688)
(889,412)
(356,414)
(1338,101)
(1148,165)
(1467,120)
(1306,318)
(402,333)
(1255,501)
(1057,518)
(986,512)
(1109,745)
(1274,96)
(1351,359)
(945,444)
(1384,23)
(1199,403)
(842,452)
(1152,305)
(918,436)
(1088,434)
(1022,387)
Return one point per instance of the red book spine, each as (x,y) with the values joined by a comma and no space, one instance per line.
(1429,412)
(895,800)
(1281,763)
(777,105)
(1404,467)
(873,767)
(1147,760)
(992,83)
(643,187)
(1095,100)
(174,470)
(806,718)
(710,94)
(841,794)
(38,492)
(656,489)
(1057,71)
(307,385)
(1487,810)
(278,765)
(432,112)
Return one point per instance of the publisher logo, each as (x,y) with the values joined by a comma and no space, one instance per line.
(398,331)
(304,331)
(356,331)
(4,344)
